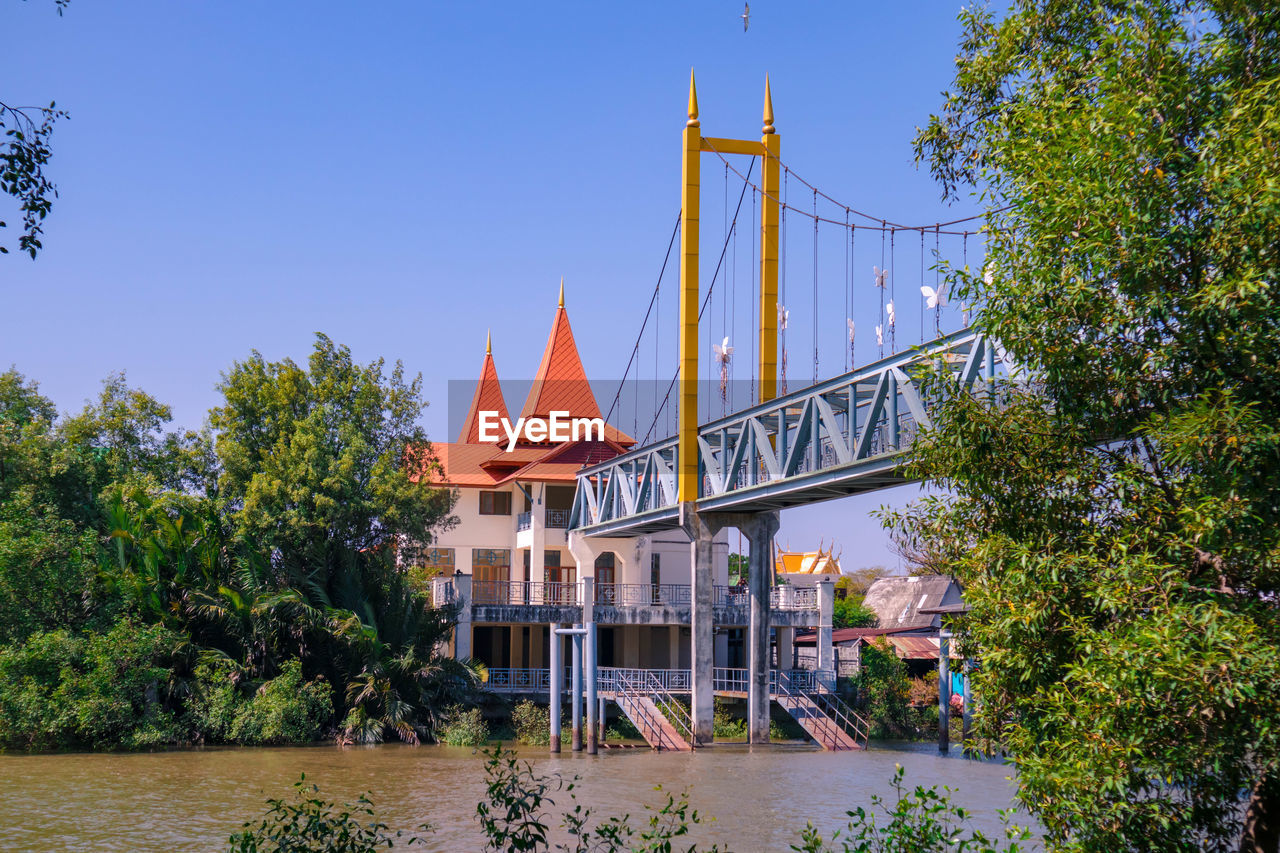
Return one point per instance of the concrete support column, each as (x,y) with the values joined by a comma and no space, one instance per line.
(826,611)
(462,631)
(702,663)
(760,530)
(967,720)
(786,648)
(588,590)
(556,686)
(538,548)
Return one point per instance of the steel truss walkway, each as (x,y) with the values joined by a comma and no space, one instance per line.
(840,437)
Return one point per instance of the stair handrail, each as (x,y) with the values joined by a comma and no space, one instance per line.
(632,690)
(787,690)
(661,696)
(848,719)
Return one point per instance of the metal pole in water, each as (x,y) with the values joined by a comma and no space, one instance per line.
(944,691)
(967,719)
(593,735)
(600,720)
(575,689)
(557,685)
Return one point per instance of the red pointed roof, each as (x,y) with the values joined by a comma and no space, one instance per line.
(488,398)
(560,383)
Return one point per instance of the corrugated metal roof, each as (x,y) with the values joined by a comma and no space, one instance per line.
(897,601)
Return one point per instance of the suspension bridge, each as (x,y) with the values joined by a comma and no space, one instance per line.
(837,436)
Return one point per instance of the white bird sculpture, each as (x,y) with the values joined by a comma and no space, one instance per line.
(880,276)
(724,354)
(935,298)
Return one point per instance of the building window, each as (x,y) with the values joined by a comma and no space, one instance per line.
(490,564)
(439,559)
(495,503)
(551,559)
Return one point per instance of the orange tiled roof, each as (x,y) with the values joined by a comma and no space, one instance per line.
(560,383)
(488,397)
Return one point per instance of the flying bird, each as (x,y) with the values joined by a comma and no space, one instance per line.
(880,276)
(935,298)
(745,16)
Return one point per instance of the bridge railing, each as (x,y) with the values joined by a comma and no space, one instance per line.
(814,443)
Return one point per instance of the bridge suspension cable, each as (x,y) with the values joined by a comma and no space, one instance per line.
(639,337)
(746,182)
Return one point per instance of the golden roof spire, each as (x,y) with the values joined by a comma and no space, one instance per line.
(768,107)
(561,291)
(488,342)
(693,102)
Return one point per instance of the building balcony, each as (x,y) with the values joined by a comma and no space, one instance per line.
(515,602)
(553,519)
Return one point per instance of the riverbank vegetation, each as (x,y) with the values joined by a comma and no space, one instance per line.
(231,585)
(1111,507)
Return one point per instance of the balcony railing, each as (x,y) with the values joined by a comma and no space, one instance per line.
(726,680)
(784,597)
(555,519)
(643,594)
(612,678)
(441,592)
(524,592)
(617,594)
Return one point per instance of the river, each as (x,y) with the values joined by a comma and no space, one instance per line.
(193,800)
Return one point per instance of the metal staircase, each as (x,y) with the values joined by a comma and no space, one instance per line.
(664,722)
(821,713)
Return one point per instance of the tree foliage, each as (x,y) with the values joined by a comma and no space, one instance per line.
(265,552)
(1112,515)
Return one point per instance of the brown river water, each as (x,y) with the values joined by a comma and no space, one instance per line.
(193,800)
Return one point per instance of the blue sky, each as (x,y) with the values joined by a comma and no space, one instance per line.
(405,176)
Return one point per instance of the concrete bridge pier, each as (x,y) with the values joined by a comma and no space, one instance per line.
(701,529)
(760,529)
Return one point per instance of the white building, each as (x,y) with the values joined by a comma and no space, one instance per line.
(513,567)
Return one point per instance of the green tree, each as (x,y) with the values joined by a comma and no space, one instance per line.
(1113,518)
(321,466)
(23,156)
(850,613)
